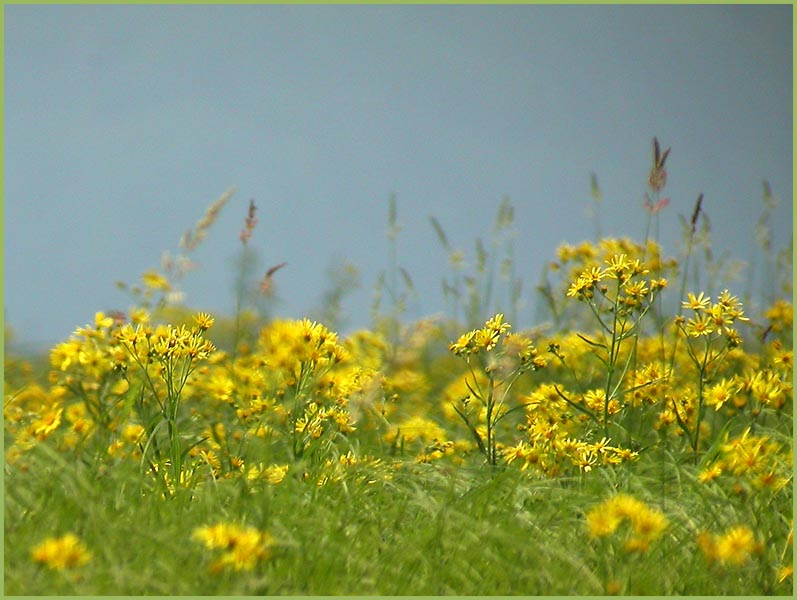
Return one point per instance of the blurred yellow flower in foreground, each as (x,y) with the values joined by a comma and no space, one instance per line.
(61,553)
(734,547)
(647,524)
(243,547)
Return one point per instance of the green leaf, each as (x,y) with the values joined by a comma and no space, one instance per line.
(578,407)
(407,279)
(440,233)
(591,343)
(472,429)
(594,189)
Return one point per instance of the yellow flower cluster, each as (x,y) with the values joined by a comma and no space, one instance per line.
(349,466)
(517,350)
(65,552)
(780,316)
(147,344)
(759,460)
(155,281)
(647,524)
(311,423)
(485,338)
(769,387)
(273,474)
(414,428)
(577,259)
(734,547)
(295,346)
(242,548)
(91,352)
(632,293)
(708,318)
(499,371)
(87,388)
(552,429)
(295,384)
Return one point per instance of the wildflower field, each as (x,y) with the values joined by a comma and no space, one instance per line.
(638,440)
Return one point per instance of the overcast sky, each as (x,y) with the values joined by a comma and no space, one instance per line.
(122,123)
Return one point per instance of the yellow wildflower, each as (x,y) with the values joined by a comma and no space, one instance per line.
(720,393)
(274,474)
(204,321)
(488,336)
(47,423)
(785,573)
(464,345)
(737,545)
(155,281)
(699,326)
(780,315)
(139,316)
(215,536)
(132,433)
(416,428)
(696,303)
(102,321)
(619,266)
(710,473)
(243,547)
(646,523)
(61,553)
(602,521)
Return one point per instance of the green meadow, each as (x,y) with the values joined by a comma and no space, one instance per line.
(637,440)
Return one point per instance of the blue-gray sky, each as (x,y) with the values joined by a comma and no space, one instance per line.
(122,123)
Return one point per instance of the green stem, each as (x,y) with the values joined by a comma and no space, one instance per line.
(699,413)
(491,447)
(701,381)
(614,351)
